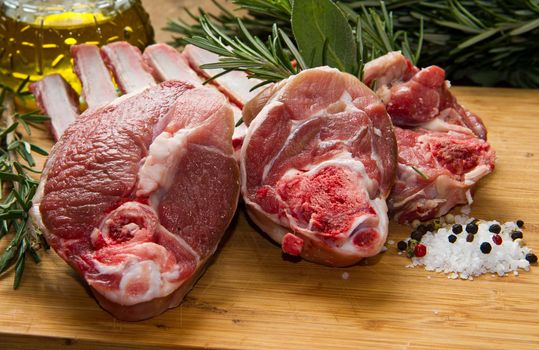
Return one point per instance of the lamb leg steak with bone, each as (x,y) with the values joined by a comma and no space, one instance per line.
(317,165)
(138,191)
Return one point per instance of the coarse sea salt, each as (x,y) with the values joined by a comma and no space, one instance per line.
(464,259)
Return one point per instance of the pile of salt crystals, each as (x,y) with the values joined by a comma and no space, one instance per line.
(466,259)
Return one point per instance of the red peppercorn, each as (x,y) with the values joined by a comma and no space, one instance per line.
(420,250)
(497,239)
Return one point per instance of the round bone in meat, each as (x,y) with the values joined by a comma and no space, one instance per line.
(137,194)
(317,165)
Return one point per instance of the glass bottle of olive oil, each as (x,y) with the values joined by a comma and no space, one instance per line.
(36,35)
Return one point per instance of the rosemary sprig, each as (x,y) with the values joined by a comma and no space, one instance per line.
(480,42)
(263,15)
(17,187)
(376,35)
(269,60)
(232,38)
(276,9)
(483,42)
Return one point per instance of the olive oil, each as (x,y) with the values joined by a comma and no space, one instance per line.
(35,40)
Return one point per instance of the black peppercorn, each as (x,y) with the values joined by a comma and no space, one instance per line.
(532,258)
(430,227)
(485,247)
(422,228)
(495,228)
(417,235)
(520,223)
(472,228)
(516,235)
(452,238)
(456,229)
(402,245)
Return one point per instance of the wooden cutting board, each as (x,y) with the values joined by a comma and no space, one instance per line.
(251,297)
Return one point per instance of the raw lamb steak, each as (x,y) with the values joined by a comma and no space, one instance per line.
(441,145)
(436,172)
(419,97)
(137,194)
(317,165)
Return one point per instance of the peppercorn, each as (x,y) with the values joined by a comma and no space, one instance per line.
(452,238)
(495,228)
(456,229)
(472,228)
(520,223)
(422,228)
(485,247)
(430,227)
(470,237)
(532,258)
(497,239)
(516,235)
(420,250)
(411,247)
(402,245)
(417,235)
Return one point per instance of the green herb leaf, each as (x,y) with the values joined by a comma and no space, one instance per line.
(245,52)
(17,188)
(323,35)
(420,173)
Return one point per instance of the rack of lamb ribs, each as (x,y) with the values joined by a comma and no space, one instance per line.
(140,188)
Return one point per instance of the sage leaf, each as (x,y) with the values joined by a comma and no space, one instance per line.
(323,35)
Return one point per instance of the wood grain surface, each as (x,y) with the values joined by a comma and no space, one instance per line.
(252,298)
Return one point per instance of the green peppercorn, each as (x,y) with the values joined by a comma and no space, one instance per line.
(411,247)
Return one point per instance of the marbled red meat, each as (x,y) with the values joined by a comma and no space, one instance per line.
(317,165)
(137,194)
(441,145)
(436,171)
(419,97)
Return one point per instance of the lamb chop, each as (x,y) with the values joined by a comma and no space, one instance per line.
(317,165)
(442,146)
(419,98)
(139,189)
